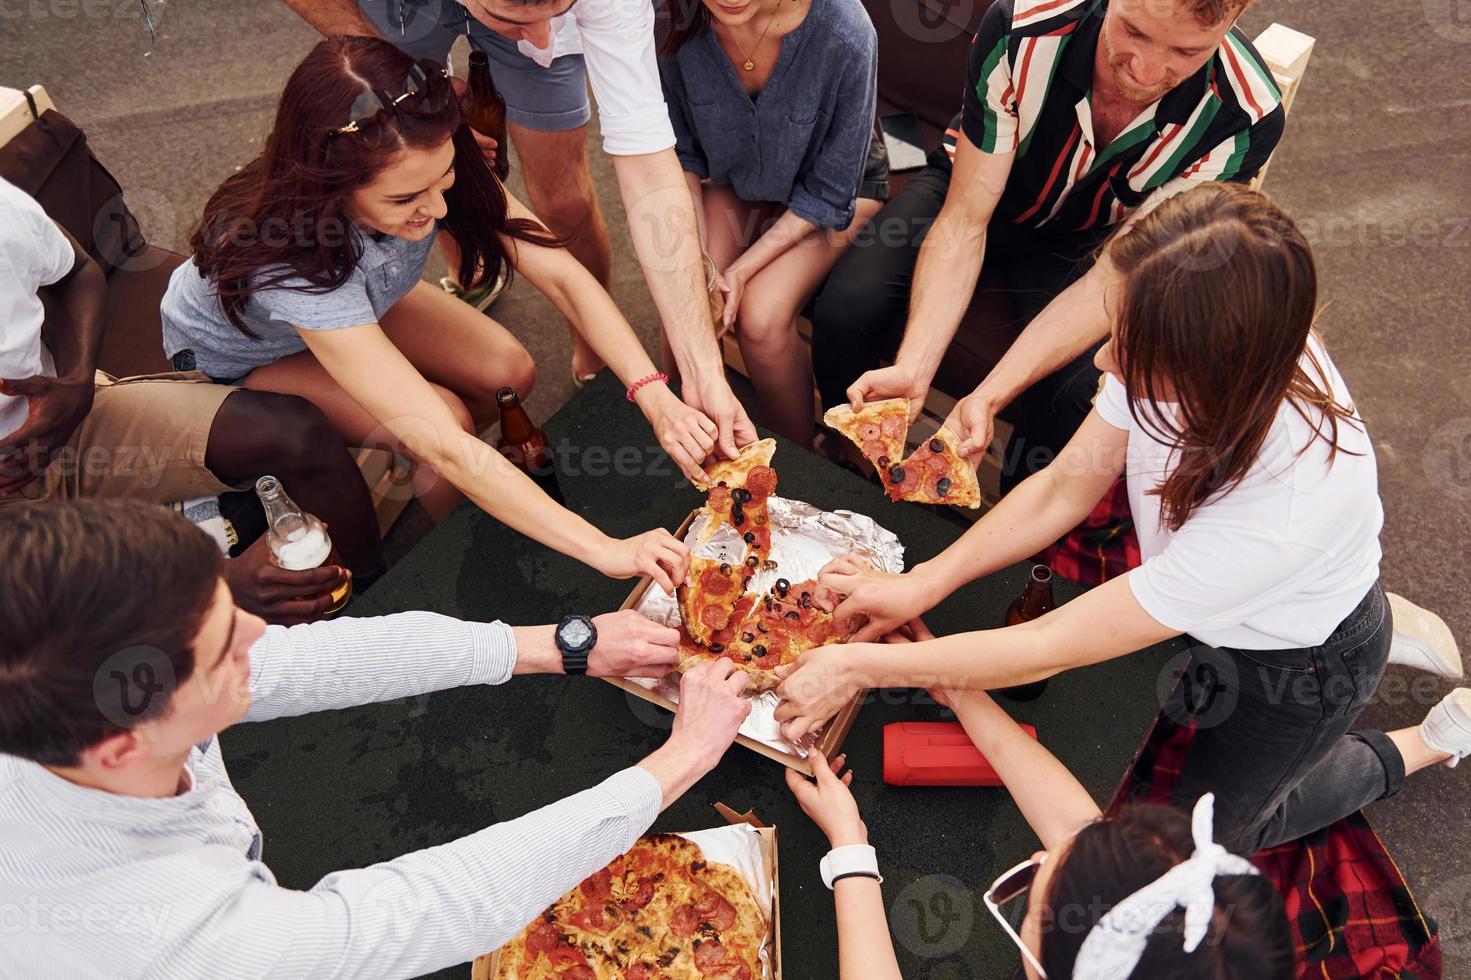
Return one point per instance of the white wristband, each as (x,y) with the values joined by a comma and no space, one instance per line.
(850,859)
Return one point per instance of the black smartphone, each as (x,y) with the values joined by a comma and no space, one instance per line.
(904,141)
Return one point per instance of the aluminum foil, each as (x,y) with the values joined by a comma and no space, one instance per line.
(803,540)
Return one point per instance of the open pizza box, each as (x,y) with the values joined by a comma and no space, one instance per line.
(828,740)
(485,967)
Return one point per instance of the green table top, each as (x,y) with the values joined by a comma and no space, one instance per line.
(350,788)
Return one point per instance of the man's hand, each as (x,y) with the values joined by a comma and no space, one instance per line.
(973,420)
(829,801)
(894,381)
(279,595)
(720,405)
(657,554)
(55,408)
(632,645)
(711,712)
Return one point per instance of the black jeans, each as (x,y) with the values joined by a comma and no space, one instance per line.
(858,317)
(1273,738)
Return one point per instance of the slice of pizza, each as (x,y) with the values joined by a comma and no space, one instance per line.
(707,600)
(935,473)
(779,628)
(742,505)
(877,429)
(732,472)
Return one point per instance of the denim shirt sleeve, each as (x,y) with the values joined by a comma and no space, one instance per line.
(686,143)
(826,192)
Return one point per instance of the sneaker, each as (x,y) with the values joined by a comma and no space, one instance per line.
(1448,726)
(480,298)
(1422,640)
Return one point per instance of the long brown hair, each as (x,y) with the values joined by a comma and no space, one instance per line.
(284,215)
(1219,297)
(1109,860)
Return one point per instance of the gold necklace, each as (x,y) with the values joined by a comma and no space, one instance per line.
(748,64)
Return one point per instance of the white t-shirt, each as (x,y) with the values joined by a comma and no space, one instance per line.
(616,40)
(1278,561)
(33,253)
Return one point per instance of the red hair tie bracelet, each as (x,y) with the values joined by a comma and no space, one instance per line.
(633,388)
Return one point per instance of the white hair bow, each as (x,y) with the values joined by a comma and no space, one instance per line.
(1115,944)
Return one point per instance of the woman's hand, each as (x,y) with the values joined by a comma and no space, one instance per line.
(733,283)
(657,554)
(816,686)
(829,801)
(685,432)
(885,600)
(973,420)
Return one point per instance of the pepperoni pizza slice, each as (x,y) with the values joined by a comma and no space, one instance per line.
(742,505)
(877,429)
(733,472)
(935,473)
(778,628)
(707,601)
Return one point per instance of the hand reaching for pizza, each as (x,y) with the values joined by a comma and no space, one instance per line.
(656,553)
(829,801)
(815,687)
(973,420)
(632,645)
(711,710)
(886,600)
(890,382)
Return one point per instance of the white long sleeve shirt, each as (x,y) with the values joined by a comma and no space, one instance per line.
(93,884)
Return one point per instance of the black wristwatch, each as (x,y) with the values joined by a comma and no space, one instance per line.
(576,636)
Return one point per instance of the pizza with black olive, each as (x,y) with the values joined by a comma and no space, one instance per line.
(659,912)
(935,473)
(770,632)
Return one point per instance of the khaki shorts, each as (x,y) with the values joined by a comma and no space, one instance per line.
(145,438)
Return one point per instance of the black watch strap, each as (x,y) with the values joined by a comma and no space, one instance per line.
(577,650)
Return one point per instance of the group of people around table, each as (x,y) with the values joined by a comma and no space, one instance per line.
(1099,156)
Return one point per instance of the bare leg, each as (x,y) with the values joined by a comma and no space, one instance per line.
(1416,753)
(302,375)
(780,363)
(560,186)
(459,349)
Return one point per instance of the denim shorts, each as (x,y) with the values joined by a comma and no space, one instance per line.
(546,99)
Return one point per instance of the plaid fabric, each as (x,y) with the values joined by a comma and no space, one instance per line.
(1351,910)
(1104,546)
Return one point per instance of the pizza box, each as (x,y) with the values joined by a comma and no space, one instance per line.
(829,741)
(484,967)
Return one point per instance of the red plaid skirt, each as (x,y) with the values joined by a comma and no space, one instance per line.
(1351,911)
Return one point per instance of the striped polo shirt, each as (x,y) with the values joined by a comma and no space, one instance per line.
(1028,92)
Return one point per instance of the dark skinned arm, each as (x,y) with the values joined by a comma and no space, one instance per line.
(75,320)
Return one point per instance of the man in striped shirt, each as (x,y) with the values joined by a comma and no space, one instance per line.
(1078,116)
(127,851)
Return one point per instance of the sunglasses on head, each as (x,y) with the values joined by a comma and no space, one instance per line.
(1007,888)
(427,83)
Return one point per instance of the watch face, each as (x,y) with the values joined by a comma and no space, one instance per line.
(575,634)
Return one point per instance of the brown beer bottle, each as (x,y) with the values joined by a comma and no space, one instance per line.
(485,111)
(1032,603)
(525,445)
